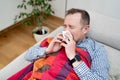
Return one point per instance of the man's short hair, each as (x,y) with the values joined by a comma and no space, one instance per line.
(84,15)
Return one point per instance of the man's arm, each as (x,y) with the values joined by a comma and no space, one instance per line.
(99,69)
(35,52)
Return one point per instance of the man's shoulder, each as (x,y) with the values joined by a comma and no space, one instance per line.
(94,42)
(95,45)
(89,43)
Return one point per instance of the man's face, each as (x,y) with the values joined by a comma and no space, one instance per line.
(72,23)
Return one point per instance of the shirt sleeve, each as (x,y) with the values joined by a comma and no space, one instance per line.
(99,69)
(35,52)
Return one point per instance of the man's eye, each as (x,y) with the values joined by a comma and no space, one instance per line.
(71,27)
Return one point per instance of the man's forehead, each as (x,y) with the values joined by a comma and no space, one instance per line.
(72,19)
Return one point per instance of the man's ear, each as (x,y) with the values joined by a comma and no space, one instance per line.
(85,29)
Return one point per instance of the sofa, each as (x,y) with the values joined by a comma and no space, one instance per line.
(104,29)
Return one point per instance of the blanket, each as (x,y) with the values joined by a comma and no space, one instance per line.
(55,66)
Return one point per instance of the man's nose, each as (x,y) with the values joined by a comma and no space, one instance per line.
(67,28)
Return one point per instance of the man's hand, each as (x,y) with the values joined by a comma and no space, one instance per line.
(58,42)
(55,46)
(69,45)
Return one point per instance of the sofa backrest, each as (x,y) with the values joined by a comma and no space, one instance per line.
(105,29)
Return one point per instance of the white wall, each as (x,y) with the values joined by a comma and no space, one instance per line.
(59,7)
(8,11)
(109,8)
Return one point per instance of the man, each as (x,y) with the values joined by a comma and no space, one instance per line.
(77,23)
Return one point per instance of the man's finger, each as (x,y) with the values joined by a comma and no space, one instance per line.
(63,44)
